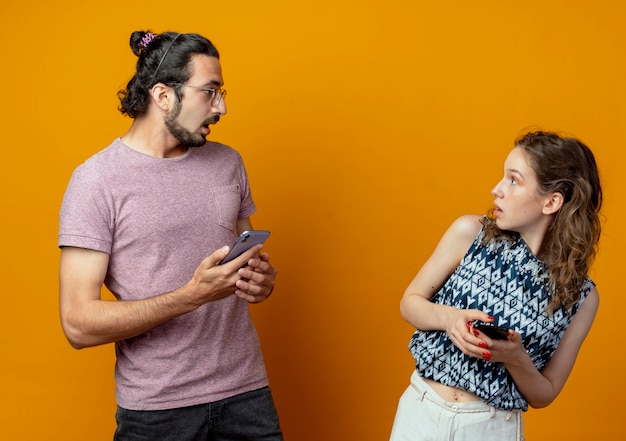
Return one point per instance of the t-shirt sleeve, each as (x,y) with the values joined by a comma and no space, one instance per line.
(247,207)
(86,214)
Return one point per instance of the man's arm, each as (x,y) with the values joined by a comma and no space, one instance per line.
(88,320)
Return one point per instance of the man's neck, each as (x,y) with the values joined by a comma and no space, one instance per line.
(158,143)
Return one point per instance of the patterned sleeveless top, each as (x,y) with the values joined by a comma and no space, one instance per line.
(505,280)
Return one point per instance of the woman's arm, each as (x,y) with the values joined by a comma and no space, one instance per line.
(541,388)
(415,306)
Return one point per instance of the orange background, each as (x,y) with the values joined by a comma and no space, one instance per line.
(366,128)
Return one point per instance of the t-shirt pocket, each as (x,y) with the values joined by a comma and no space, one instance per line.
(227,202)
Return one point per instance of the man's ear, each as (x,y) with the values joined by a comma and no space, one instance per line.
(162,96)
(553,203)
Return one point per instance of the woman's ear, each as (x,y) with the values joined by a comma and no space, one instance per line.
(553,203)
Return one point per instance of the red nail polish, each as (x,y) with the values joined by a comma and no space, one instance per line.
(491,318)
(475,332)
(486,356)
(482,344)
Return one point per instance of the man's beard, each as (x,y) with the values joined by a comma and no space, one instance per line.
(182,135)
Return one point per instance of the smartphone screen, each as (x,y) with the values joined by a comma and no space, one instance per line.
(492,331)
(244,242)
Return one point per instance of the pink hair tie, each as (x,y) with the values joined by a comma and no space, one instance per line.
(147,38)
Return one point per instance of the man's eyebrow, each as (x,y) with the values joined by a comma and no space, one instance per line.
(214,83)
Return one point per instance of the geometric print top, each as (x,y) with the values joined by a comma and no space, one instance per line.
(505,280)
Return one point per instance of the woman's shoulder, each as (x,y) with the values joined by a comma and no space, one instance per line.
(467,227)
(460,235)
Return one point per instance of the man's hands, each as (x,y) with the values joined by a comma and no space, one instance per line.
(249,276)
(88,320)
(257,279)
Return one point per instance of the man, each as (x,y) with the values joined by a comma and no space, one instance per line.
(150,217)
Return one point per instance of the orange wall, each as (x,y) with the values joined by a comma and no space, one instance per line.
(367,127)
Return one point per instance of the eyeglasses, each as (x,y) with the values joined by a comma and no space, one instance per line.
(215,95)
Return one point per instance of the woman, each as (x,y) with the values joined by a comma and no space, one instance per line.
(524,267)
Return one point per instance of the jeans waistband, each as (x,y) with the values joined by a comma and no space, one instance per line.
(426,392)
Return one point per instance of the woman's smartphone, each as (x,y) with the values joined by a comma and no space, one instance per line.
(244,242)
(492,331)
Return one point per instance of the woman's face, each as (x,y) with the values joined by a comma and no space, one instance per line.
(519,205)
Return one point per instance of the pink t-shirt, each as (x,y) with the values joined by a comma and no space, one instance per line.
(158,219)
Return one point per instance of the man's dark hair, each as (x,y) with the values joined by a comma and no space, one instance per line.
(163,58)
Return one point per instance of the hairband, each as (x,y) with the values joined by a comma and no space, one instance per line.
(147,38)
(163,57)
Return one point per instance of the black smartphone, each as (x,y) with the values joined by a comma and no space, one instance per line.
(492,331)
(244,242)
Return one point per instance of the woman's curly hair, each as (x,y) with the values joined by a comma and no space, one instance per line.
(567,166)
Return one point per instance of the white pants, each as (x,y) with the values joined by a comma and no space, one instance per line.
(423,415)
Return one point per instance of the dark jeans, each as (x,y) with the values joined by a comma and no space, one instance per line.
(250,416)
